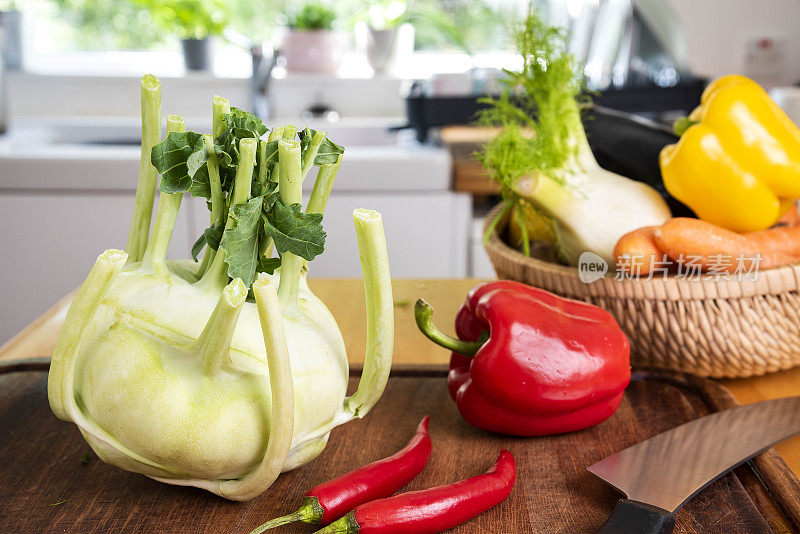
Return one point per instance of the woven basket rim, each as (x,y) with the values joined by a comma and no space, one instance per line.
(565,278)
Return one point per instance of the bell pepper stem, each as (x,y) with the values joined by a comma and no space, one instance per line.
(423,312)
(682,124)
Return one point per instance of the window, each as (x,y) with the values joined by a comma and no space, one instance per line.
(122,37)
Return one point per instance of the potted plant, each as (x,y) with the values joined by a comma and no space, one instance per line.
(193,22)
(11,32)
(310,43)
(386,38)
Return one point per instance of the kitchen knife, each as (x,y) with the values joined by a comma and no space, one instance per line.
(658,475)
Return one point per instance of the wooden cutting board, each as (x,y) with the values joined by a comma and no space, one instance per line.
(46,487)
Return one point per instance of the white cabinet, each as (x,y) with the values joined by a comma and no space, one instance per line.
(50,241)
(426,233)
(51,238)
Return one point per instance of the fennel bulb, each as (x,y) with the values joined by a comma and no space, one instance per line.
(168,368)
(541,157)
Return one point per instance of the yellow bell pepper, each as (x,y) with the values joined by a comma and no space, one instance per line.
(738,163)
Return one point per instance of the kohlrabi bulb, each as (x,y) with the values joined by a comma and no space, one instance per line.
(175,371)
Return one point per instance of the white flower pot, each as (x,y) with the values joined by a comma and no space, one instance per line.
(385,50)
(312,51)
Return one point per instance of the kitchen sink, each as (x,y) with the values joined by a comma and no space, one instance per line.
(103,153)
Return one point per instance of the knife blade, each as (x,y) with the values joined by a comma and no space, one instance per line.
(659,474)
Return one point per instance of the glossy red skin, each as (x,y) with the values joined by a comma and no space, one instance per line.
(551,365)
(376,480)
(437,509)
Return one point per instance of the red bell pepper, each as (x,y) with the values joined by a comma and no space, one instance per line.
(531,363)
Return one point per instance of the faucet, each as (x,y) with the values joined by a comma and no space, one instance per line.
(261,79)
(262,71)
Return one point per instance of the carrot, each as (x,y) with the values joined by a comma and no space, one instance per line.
(713,248)
(637,252)
(784,239)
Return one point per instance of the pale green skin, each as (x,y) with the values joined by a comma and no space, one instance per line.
(169,371)
(129,372)
(130,359)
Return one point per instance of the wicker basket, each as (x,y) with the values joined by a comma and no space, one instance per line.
(715,328)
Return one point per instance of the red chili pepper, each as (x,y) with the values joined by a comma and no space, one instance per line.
(531,363)
(432,510)
(331,500)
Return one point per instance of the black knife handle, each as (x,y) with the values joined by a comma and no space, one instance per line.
(631,517)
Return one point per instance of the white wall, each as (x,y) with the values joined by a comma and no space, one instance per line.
(718,31)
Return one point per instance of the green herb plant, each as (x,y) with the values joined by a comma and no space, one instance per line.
(541,155)
(223,371)
(313,16)
(188,19)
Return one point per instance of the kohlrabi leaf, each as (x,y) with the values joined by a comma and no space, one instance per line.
(268,265)
(211,236)
(294,231)
(270,190)
(328,151)
(239,125)
(201,186)
(240,242)
(242,120)
(178,158)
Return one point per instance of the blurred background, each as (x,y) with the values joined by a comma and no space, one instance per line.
(397,82)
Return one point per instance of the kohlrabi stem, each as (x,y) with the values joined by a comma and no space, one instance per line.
(217,273)
(148,175)
(262,169)
(281,420)
(380,322)
(380,312)
(289,131)
(221,107)
(275,134)
(423,313)
(218,209)
(214,343)
(311,151)
(155,256)
(290,188)
(322,191)
(322,187)
(60,390)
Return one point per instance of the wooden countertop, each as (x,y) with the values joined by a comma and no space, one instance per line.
(345,298)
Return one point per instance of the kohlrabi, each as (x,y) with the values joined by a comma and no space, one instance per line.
(225,372)
(542,160)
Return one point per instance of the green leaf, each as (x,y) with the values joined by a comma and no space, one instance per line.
(178,158)
(328,151)
(240,125)
(201,185)
(240,242)
(211,236)
(294,231)
(268,265)
(270,191)
(242,120)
